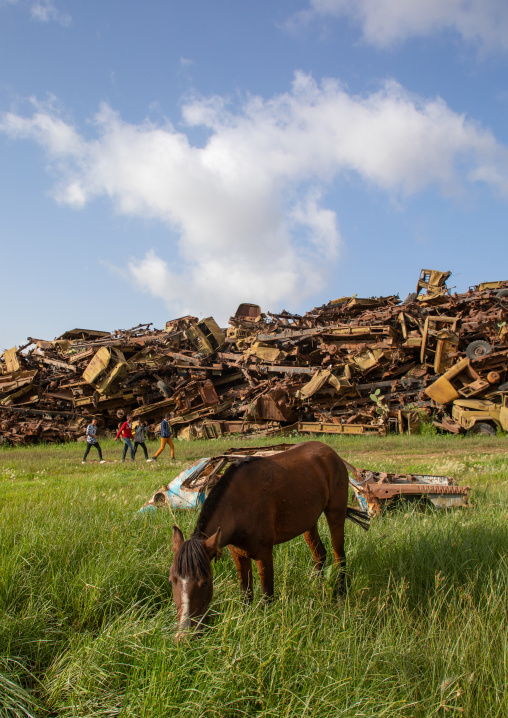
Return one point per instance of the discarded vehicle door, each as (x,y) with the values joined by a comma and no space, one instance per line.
(174,495)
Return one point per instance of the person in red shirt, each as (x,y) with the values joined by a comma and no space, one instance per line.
(125,431)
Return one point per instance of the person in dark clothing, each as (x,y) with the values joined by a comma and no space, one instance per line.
(166,438)
(125,431)
(139,438)
(91,440)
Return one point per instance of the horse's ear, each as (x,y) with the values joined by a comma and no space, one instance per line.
(178,538)
(212,545)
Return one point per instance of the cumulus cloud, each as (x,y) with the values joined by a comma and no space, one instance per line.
(248,206)
(383,22)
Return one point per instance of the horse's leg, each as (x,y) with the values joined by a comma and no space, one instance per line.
(265,568)
(336,518)
(316,546)
(244,567)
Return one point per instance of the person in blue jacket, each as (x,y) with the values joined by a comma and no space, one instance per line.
(166,438)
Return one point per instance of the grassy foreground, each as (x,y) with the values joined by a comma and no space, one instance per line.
(87,620)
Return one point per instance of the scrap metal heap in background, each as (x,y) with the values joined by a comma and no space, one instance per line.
(353,366)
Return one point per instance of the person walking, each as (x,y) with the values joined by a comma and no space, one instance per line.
(91,440)
(139,438)
(125,431)
(166,438)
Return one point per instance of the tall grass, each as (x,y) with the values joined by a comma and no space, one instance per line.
(87,621)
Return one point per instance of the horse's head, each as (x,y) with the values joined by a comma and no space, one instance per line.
(191,576)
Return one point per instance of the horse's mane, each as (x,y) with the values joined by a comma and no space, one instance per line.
(215,496)
(192,561)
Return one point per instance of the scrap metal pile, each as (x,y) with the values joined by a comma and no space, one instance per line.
(351,366)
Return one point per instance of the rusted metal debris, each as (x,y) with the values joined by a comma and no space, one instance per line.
(352,366)
(373,491)
(376,489)
(192,485)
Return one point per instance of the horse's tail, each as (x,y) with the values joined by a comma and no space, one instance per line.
(361,518)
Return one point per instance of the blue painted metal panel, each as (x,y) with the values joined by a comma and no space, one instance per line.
(174,495)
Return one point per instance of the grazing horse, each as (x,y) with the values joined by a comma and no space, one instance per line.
(260,502)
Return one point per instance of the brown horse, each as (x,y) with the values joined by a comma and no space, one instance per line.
(258,503)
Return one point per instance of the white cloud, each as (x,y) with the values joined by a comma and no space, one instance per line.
(46,10)
(248,206)
(42,11)
(383,22)
(57,137)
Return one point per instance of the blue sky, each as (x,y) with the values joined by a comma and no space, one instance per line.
(163,158)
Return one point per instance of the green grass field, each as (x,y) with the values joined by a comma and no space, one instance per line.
(87,621)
